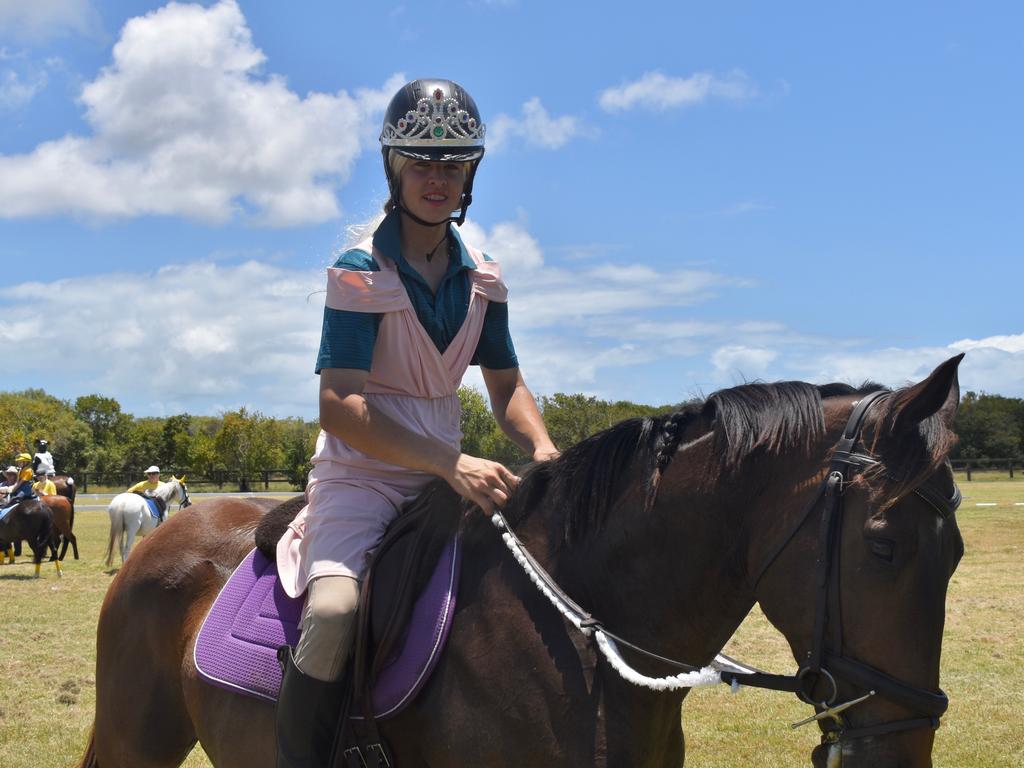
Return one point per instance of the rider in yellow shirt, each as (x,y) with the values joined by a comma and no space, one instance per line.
(44,486)
(23,485)
(148,486)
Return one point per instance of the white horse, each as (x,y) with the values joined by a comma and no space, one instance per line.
(130,515)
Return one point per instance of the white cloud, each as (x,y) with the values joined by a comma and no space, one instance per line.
(547,296)
(43,19)
(196,337)
(994,364)
(16,91)
(1011,344)
(508,243)
(657,91)
(534,127)
(744,362)
(185,123)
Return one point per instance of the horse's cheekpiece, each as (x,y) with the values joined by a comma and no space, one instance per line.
(252,617)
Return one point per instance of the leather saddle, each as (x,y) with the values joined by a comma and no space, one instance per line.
(398,570)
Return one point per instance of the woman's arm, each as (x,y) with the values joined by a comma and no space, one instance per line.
(346,414)
(516,412)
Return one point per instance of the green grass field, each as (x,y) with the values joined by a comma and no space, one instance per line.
(47,653)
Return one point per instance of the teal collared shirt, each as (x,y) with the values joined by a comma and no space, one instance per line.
(348,338)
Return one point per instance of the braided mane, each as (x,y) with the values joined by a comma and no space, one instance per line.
(588,478)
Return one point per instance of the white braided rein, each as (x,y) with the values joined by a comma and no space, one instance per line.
(705,676)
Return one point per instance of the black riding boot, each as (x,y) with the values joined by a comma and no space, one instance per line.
(307,716)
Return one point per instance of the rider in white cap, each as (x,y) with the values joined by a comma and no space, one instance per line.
(10,482)
(148,486)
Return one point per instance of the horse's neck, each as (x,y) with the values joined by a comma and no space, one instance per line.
(671,589)
(165,491)
(665,579)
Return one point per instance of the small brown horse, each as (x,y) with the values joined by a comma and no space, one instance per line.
(65,487)
(63,511)
(668,530)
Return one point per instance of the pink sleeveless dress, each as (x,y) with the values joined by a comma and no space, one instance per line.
(351,497)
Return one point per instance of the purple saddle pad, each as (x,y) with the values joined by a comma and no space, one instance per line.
(252,617)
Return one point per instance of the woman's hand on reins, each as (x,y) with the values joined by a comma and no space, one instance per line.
(487,484)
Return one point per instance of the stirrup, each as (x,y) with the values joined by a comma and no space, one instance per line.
(376,755)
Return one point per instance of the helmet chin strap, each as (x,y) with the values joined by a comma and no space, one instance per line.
(467,198)
(450,220)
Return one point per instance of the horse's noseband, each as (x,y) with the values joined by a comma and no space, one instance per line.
(825,662)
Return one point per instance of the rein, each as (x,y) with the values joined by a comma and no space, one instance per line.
(691,677)
(820,659)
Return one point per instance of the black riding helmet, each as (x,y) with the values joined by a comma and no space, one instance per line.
(435,120)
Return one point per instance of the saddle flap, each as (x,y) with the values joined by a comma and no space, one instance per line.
(404,568)
(156,506)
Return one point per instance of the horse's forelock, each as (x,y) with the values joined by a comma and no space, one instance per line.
(907,459)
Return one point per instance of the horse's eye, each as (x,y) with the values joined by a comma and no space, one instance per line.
(881,549)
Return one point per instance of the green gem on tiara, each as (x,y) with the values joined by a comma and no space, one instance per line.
(438,131)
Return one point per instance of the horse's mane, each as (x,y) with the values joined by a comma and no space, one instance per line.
(588,478)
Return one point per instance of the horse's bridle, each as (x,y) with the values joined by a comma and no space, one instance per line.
(185,501)
(825,661)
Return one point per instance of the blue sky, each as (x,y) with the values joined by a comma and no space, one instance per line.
(682,196)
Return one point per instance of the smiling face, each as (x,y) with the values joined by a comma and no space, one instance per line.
(432,190)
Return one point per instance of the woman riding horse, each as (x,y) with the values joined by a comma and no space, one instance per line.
(408,310)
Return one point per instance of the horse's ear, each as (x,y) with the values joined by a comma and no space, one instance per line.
(940,392)
(182,479)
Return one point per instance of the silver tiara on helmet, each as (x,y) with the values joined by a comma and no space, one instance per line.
(436,120)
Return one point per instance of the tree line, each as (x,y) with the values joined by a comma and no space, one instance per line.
(93,434)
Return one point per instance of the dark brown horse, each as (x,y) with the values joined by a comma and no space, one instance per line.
(668,530)
(30,520)
(63,511)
